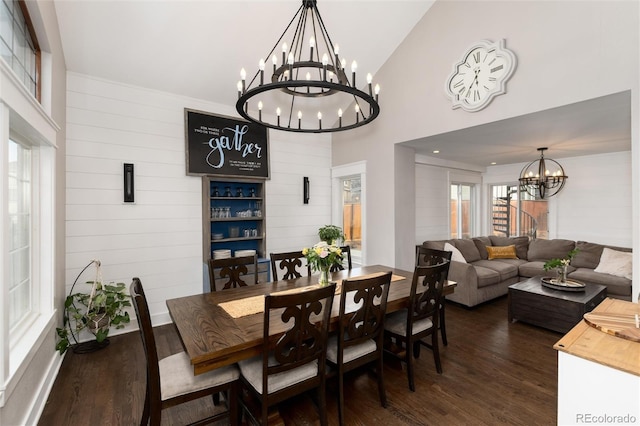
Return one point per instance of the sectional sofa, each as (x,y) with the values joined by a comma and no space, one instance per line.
(485,267)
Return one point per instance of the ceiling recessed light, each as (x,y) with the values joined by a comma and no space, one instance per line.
(436,151)
(493,163)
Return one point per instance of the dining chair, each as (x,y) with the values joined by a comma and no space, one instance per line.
(359,342)
(288,262)
(405,329)
(346,250)
(232,272)
(171,381)
(294,348)
(429,257)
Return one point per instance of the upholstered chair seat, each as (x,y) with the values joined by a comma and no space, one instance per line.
(252,371)
(177,378)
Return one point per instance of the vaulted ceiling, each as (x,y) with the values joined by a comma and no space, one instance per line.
(196,48)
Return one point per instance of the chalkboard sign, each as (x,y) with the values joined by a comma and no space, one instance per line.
(225,146)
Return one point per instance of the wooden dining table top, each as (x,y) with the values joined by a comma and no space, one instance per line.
(212,338)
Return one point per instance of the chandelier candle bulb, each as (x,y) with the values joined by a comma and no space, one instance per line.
(354,66)
(312,42)
(369,80)
(284,53)
(291,65)
(376,91)
(320,120)
(243,77)
(278,115)
(325,61)
(260,110)
(340,117)
(261,67)
(274,59)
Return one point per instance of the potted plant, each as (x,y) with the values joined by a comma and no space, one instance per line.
(97,311)
(560,265)
(331,234)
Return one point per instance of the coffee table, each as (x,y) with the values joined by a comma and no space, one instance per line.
(557,310)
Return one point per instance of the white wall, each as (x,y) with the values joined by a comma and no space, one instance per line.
(595,203)
(432,203)
(566,51)
(159,238)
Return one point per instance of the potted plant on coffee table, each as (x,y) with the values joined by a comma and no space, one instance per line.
(97,311)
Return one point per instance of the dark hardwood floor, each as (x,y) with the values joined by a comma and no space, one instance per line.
(494,372)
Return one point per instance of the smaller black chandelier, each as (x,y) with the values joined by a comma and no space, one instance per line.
(316,85)
(537,179)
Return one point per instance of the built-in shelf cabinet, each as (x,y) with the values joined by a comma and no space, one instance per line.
(234,218)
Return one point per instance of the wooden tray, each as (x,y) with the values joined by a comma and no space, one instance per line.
(619,325)
(569,285)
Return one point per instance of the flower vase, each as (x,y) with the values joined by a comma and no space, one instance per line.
(324,276)
(562,274)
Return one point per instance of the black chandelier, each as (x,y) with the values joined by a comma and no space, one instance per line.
(539,181)
(307,84)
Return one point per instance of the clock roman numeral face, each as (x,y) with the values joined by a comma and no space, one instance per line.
(477,78)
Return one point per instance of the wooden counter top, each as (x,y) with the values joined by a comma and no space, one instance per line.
(587,342)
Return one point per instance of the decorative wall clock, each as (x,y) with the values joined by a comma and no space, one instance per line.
(481,75)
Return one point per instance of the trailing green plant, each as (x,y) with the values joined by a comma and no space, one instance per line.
(97,311)
(331,234)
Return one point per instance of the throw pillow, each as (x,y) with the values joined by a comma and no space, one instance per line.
(502,252)
(616,263)
(455,253)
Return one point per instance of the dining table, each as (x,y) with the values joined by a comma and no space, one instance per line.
(223,327)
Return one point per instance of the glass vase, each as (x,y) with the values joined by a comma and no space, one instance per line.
(324,276)
(562,274)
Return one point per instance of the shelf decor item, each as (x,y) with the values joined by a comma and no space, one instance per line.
(97,311)
(322,257)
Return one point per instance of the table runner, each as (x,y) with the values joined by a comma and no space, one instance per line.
(254,305)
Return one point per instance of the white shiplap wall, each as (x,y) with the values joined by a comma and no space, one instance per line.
(432,203)
(159,237)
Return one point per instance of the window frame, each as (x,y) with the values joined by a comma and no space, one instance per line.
(37,53)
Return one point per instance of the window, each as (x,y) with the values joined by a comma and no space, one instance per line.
(19,247)
(348,200)
(352,214)
(18,44)
(462,210)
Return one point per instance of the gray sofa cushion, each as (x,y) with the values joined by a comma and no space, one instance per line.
(468,249)
(521,243)
(549,249)
(436,245)
(481,244)
(616,286)
(505,270)
(532,269)
(588,255)
(486,276)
